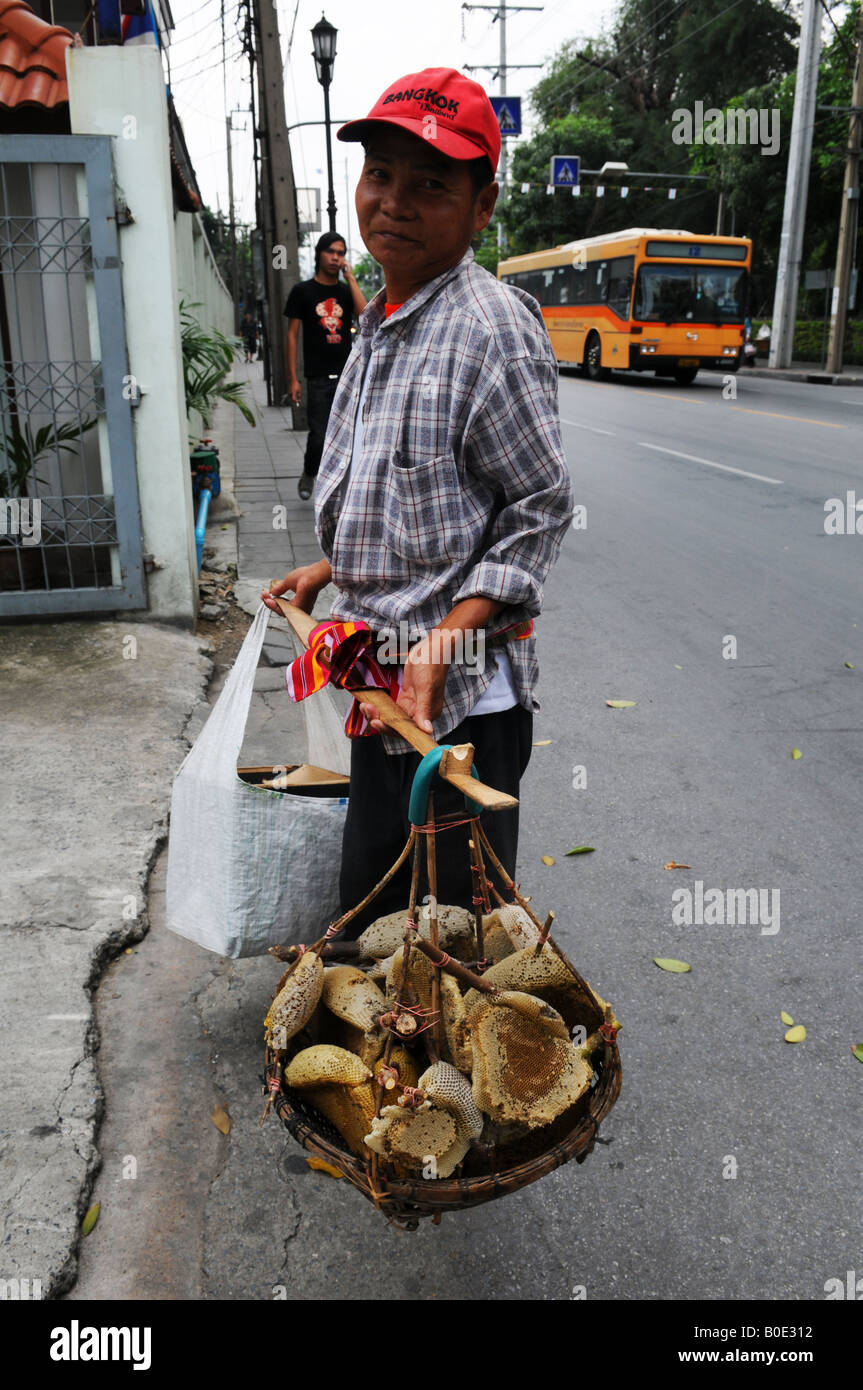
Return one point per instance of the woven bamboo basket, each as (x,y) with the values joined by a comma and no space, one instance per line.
(406,1200)
(484,1174)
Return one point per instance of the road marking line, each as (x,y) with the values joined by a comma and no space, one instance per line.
(575,424)
(709,463)
(799,419)
(667,396)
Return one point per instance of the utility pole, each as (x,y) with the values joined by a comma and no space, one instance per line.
(278,197)
(796,188)
(849,215)
(233,226)
(500,13)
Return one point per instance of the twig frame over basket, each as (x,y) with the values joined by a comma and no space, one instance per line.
(486,1172)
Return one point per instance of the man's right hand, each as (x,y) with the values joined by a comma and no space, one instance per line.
(295,391)
(306,583)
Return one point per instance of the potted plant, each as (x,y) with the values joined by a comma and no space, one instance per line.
(208,356)
(20,452)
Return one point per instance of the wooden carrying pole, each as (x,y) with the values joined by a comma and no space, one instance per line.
(394,718)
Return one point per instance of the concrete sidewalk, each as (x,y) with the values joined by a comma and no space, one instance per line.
(93,715)
(809,372)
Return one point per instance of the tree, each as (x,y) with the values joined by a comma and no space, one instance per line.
(369,275)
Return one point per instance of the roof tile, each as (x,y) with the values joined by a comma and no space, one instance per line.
(32,58)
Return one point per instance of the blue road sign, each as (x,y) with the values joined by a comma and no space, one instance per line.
(564,170)
(508,112)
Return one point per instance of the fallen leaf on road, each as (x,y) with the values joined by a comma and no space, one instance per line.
(581,849)
(621,704)
(547,859)
(858,1051)
(795,753)
(543,742)
(672,865)
(786,1018)
(677,668)
(850,665)
(796,1034)
(677,967)
(321,1166)
(90,1219)
(221,1119)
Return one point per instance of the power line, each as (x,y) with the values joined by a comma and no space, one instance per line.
(577,87)
(852,57)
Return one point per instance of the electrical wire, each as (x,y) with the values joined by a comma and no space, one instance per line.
(850,52)
(572,89)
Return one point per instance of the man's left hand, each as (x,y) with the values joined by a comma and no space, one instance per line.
(421,695)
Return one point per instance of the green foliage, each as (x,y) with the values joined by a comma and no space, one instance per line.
(613,98)
(208,357)
(484,247)
(810,340)
(23,449)
(535,219)
(218,229)
(369,275)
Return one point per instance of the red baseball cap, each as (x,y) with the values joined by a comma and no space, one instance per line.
(440,105)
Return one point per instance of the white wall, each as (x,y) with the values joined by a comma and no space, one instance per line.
(121,92)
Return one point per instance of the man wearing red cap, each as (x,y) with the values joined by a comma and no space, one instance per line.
(443,493)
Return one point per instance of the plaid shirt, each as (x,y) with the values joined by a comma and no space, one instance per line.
(462,488)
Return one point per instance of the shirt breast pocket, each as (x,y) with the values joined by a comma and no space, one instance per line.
(425,516)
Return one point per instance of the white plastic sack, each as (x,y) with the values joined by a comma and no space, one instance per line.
(250,868)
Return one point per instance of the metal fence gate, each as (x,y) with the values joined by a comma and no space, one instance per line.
(70,529)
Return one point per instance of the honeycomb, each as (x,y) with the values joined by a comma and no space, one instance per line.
(385,936)
(455,1024)
(406,1067)
(549,978)
(351,1109)
(419,1140)
(420,975)
(522,1072)
(324,1065)
(506,930)
(295,1001)
(351,995)
(535,1009)
(449,1090)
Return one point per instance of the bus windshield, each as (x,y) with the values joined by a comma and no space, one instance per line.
(688,293)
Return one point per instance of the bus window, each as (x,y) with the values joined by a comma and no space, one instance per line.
(690,294)
(619,293)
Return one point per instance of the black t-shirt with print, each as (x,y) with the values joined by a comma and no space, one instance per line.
(326,313)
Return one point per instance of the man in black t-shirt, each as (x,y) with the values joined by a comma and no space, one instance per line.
(326,308)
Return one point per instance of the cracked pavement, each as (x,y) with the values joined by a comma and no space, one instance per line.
(93,734)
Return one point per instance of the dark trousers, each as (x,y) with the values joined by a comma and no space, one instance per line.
(321,393)
(377,824)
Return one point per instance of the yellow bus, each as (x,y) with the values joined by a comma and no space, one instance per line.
(642,300)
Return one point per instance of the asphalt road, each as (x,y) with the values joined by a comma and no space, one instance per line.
(677,556)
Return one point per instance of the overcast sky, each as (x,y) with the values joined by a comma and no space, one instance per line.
(378,41)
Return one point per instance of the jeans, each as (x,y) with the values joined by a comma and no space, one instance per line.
(377,824)
(321,393)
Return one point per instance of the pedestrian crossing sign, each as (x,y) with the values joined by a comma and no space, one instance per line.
(508,112)
(564,170)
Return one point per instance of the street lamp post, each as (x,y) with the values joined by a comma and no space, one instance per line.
(324,41)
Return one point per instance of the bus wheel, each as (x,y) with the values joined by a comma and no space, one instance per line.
(592,364)
(684,376)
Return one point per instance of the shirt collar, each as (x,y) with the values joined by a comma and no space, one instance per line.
(374,317)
